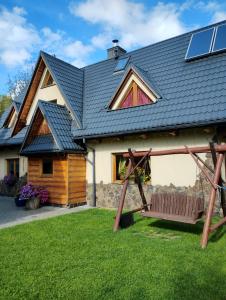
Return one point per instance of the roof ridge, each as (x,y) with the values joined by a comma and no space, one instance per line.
(61,60)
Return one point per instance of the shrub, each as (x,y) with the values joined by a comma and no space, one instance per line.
(10,180)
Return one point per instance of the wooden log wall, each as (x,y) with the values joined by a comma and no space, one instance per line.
(56,183)
(76,178)
(67,184)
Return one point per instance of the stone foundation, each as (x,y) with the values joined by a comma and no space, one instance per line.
(108,194)
(12,191)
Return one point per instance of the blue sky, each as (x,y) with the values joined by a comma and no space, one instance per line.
(81,31)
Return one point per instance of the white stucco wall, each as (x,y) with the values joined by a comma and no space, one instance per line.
(9,154)
(179,170)
(48,94)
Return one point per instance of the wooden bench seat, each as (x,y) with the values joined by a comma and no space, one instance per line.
(175,207)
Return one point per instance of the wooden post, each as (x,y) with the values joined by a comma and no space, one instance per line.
(143,198)
(122,198)
(222,195)
(206,228)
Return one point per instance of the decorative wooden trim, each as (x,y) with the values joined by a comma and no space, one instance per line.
(26,105)
(8,120)
(135,94)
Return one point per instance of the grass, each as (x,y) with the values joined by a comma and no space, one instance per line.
(77,256)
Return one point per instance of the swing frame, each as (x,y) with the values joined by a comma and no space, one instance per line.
(217,152)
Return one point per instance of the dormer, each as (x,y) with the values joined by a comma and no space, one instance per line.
(135,89)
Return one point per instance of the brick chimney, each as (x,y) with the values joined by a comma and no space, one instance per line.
(115,51)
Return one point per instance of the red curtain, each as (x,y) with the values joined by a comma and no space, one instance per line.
(142,98)
(128,100)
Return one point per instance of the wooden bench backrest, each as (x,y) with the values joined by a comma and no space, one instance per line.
(176,204)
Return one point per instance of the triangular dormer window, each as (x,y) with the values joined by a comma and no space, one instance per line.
(132,92)
(48,80)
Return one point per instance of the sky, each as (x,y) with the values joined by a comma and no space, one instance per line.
(79,32)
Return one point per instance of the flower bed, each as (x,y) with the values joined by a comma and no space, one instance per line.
(33,196)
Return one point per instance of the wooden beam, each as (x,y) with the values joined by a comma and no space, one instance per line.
(222,195)
(138,181)
(137,165)
(206,228)
(122,198)
(204,149)
(202,169)
(217,225)
(204,163)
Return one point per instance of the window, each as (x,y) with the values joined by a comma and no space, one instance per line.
(48,80)
(13,167)
(121,64)
(47,167)
(200,43)
(133,91)
(120,164)
(134,97)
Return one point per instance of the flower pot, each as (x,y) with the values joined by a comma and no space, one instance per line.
(19,203)
(33,203)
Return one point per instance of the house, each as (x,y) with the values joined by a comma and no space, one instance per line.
(73,125)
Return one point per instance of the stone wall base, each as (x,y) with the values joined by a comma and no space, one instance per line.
(108,195)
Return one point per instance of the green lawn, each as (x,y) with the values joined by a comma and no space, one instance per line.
(77,256)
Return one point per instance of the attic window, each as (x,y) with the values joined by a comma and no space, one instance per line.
(135,96)
(48,80)
(121,64)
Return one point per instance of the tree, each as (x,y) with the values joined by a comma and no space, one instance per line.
(5,102)
(18,83)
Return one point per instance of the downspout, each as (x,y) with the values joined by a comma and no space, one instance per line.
(94,175)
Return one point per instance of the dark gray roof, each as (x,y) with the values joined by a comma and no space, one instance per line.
(59,121)
(42,143)
(192,93)
(69,79)
(7,140)
(5,115)
(17,105)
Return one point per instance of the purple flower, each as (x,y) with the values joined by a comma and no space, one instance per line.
(29,191)
(10,180)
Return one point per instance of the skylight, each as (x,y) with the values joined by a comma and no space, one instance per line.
(220,39)
(121,64)
(200,43)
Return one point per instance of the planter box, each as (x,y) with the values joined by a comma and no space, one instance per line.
(32,203)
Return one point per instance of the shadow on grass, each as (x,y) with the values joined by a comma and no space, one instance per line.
(217,234)
(176,226)
(187,285)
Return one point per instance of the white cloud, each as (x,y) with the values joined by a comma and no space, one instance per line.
(78,52)
(216,9)
(20,40)
(131,22)
(17,37)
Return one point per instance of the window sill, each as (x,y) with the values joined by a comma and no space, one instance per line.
(47,175)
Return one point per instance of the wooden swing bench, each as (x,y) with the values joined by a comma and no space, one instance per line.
(176,207)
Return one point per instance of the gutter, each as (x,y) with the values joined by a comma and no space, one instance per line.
(156,129)
(94,175)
